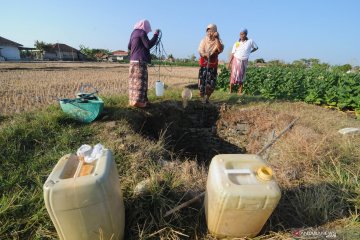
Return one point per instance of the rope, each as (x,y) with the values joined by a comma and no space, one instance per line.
(159,51)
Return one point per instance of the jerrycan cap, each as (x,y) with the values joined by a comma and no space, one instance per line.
(264,173)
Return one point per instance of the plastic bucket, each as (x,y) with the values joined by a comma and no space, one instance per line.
(159,88)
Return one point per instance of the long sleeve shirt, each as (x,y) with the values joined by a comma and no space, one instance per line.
(140,45)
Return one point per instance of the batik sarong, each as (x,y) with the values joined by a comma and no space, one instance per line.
(207,80)
(138,84)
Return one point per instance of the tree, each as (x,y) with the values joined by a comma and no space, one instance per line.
(346,67)
(343,68)
(259,60)
(311,62)
(153,56)
(91,52)
(276,62)
(314,61)
(299,63)
(42,46)
(87,52)
(171,58)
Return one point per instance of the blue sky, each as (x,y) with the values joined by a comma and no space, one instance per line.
(283,29)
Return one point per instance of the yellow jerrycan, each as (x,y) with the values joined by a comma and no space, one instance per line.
(85,201)
(240,195)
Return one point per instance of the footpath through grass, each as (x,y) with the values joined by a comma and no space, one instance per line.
(316,168)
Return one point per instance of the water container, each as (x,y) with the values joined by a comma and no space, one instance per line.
(159,88)
(240,195)
(85,201)
(186,94)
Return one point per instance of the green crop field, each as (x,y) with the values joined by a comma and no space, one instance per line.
(315,85)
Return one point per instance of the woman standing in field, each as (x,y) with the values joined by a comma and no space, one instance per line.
(139,48)
(209,49)
(239,59)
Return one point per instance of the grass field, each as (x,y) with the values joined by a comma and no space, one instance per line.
(316,168)
(29,86)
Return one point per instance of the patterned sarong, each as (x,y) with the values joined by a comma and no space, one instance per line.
(207,80)
(138,84)
(238,71)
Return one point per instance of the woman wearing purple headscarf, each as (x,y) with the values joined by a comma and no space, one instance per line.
(239,59)
(139,48)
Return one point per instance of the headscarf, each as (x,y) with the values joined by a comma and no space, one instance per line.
(244,30)
(208,45)
(212,27)
(143,25)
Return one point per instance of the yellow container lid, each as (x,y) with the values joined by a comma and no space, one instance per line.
(264,173)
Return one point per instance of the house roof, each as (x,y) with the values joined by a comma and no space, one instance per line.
(27,48)
(7,42)
(62,47)
(120,53)
(101,55)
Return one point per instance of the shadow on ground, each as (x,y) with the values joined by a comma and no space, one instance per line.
(189,132)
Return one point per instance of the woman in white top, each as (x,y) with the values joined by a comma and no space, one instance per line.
(239,59)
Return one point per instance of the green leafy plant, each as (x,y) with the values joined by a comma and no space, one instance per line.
(316,85)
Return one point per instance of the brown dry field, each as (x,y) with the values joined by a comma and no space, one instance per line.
(29,86)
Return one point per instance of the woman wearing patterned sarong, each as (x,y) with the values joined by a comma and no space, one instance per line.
(209,49)
(239,59)
(139,48)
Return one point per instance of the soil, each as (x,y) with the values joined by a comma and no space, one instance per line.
(202,131)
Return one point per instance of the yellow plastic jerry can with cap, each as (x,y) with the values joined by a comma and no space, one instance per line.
(240,195)
(85,201)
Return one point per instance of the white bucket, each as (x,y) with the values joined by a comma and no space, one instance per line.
(159,88)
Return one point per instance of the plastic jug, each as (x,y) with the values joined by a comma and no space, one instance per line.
(186,94)
(159,88)
(240,195)
(85,201)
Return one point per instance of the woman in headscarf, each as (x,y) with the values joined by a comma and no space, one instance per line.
(239,59)
(210,47)
(139,48)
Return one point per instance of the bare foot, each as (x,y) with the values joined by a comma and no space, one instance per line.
(205,99)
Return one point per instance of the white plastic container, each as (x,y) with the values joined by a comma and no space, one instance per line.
(85,203)
(159,88)
(240,195)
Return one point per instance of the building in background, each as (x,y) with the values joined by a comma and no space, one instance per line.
(9,50)
(119,55)
(60,51)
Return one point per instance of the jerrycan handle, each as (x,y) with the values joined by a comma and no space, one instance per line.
(238,171)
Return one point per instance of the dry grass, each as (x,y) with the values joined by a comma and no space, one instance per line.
(316,167)
(299,154)
(30,86)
